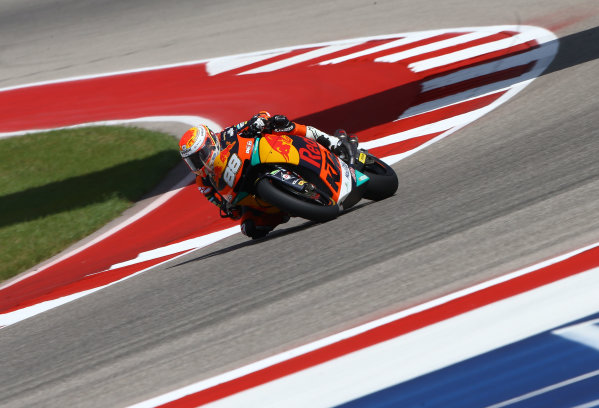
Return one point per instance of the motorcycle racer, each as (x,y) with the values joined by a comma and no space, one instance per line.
(200,146)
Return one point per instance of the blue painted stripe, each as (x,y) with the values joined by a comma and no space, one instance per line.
(512,371)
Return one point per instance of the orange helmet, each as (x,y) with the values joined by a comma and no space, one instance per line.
(199,147)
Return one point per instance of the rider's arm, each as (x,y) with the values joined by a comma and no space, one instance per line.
(254,126)
(284,125)
(206,188)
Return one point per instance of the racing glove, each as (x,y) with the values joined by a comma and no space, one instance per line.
(255,126)
(233,212)
(226,210)
(281,123)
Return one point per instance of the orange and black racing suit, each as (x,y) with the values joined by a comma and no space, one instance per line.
(254,223)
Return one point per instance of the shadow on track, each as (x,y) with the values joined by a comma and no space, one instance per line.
(270,237)
(576,49)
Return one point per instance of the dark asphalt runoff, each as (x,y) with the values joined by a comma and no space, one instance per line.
(516,187)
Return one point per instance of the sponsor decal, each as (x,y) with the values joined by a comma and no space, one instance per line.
(277,149)
(345,169)
(205,190)
(362,158)
(248,146)
(331,172)
(221,160)
(311,156)
(280,144)
(231,171)
(286,129)
(298,181)
(225,153)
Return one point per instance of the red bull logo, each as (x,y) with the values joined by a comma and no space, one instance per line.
(278,149)
(280,144)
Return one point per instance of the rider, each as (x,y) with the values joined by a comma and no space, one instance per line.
(199,146)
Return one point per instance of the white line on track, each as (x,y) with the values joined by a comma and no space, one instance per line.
(483,111)
(544,52)
(586,333)
(392,44)
(547,389)
(435,127)
(472,52)
(219,65)
(193,243)
(450,42)
(299,58)
(592,404)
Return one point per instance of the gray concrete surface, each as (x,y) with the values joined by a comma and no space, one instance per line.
(516,187)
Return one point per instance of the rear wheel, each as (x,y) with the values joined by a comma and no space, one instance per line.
(293,204)
(383,181)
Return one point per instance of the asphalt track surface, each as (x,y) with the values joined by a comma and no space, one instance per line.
(515,187)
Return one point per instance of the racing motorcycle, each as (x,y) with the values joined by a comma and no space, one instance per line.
(299,176)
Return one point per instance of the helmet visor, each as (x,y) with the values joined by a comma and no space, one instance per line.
(194,162)
(208,151)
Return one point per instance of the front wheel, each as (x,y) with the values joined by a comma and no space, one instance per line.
(383,181)
(294,205)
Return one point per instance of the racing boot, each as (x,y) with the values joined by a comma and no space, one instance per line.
(347,147)
(353,139)
(256,224)
(324,139)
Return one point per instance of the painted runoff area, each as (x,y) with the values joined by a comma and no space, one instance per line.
(426,85)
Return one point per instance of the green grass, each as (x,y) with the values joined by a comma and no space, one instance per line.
(58,187)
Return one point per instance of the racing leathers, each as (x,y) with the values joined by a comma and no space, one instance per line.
(257,223)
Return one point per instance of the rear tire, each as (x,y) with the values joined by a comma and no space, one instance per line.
(295,206)
(383,181)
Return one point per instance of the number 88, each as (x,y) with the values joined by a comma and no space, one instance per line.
(231,171)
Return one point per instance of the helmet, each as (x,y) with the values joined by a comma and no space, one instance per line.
(199,147)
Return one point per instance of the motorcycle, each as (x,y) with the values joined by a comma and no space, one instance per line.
(299,176)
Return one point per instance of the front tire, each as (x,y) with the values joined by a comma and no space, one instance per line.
(383,181)
(295,206)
